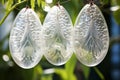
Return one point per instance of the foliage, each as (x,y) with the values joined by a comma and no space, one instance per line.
(65,72)
(116,3)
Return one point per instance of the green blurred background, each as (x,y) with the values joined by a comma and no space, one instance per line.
(108,69)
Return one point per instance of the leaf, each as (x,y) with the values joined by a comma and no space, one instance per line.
(43,4)
(62,73)
(70,65)
(116,15)
(37,72)
(8,12)
(46,77)
(104,1)
(38,2)
(73,77)
(9,5)
(19,1)
(86,71)
(38,69)
(3,2)
(32,4)
(28,72)
(115,2)
(99,73)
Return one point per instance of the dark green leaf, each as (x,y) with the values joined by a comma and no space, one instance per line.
(70,65)
(115,2)
(104,1)
(116,15)
(86,71)
(46,77)
(28,72)
(38,2)
(99,73)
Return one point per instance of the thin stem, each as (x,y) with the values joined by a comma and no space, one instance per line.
(8,12)
(99,73)
(114,40)
(64,2)
(91,2)
(58,3)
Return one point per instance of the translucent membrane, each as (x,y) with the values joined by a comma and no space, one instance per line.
(25,39)
(57,31)
(91,37)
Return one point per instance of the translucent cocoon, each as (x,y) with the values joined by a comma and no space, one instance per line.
(57,31)
(25,39)
(91,37)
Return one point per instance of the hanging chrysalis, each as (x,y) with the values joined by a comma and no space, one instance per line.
(57,31)
(91,37)
(25,39)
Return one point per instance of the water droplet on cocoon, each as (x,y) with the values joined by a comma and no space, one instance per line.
(25,39)
(57,32)
(91,37)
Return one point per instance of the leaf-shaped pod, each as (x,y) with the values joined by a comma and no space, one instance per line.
(57,31)
(25,39)
(91,37)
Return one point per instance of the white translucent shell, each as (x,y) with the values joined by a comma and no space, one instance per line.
(57,31)
(25,39)
(91,37)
